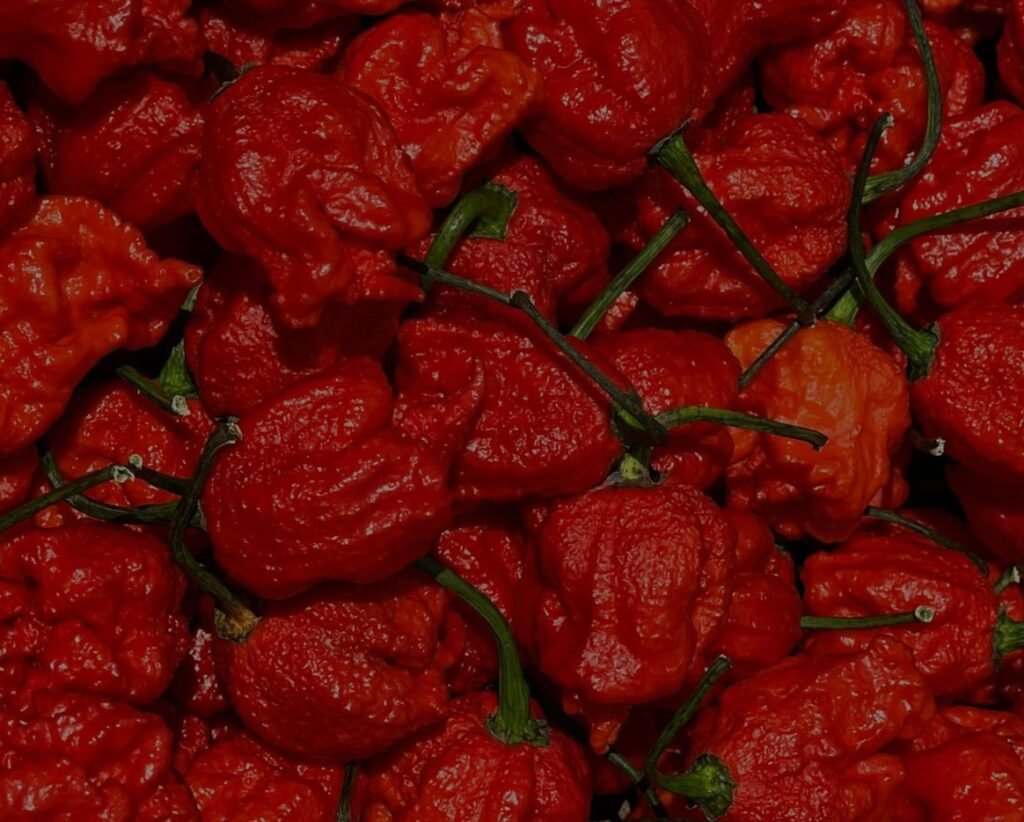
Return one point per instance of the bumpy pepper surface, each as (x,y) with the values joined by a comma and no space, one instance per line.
(16,474)
(298,14)
(994,509)
(343,672)
(834,380)
(305,175)
(447,85)
(17,162)
(75,284)
(362,499)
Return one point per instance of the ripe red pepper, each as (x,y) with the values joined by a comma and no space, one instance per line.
(305,175)
(17,162)
(92,608)
(1010,52)
(344,671)
(449,88)
(633,593)
(94,287)
(16,474)
(840,82)
(133,146)
(362,498)
(834,380)
(787,190)
(607,99)
(74,46)
(995,510)
(299,14)
(241,357)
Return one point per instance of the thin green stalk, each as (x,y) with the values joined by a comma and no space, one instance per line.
(885,515)
(344,813)
(736,419)
(158,479)
(921,614)
(175,405)
(115,473)
(487,210)
(639,781)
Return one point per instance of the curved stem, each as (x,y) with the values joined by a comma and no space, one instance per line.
(158,479)
(736,419)
(115,473)
(175,405)
(640,782)
(234,621)
(625,278)
(513,723)
(488,209)
(675,156)
(885,515)
(921,614)
(881,184)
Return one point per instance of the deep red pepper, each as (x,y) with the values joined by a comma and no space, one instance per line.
(17,162)
(16,474)
(298,14)
(995,510)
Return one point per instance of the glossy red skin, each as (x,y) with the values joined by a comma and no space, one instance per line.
(298,14)
(305,176)
(787,190)
(345,671)
(553,244)
(459,770)
(542,427)
(91,608)
(887,573)
(803,738)
(618,78)
(109,421)
(74,46)
(16,475)
(672,369)
(971,396)
(632,593)
(133,146)
(995,510)
(17,162)
(844,80)
(240,778)
(981,157)
(362,499)
(449,88)
(834,380)
(94,288)
(240,357)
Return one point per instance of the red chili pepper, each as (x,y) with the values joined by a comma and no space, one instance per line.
(305,176)
(16,475)
(323,486)
(450,89)
(995,510)
(94,287)
(17,162)
(299,14)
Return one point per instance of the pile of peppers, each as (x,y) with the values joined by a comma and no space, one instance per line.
(475,410)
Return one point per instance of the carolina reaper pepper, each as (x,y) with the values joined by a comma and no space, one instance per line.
(133,146)
(995,510)
(363,498)
(16,474)
(305,175)
(298,14)
(448,87)
(17,162)
(833,379)
(76,284)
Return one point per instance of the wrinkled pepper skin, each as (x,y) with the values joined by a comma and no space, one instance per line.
(323,487)
(971,396)
(17,162)
(74,46)
(981,157)
(16,474)
(299,14)
(875,573)
(459,770)
(75,284)
(542,427)
(343,672)
(91,608)
(607,99)
(787,190)
(305,175)
(834,380)
(553,245)
(109,421)
(239,778)
(671,369)
(633,590)
(841,82)
(133,146)
(802,739)
(448,87)
(241,357)
(994,509)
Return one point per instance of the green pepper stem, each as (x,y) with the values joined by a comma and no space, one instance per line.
(115,473)
(708,784)
(1011,576)
(176,405)
(737,419)
(639,781)
(491,204)
(881,184)
(344,813)
(675,156)
(234,620)
(513,723)
(158,479)
(625,278)
(175,381)
(921,614)
(1009,637)
(885,515)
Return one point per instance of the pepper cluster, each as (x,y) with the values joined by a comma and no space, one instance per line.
(511,410)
